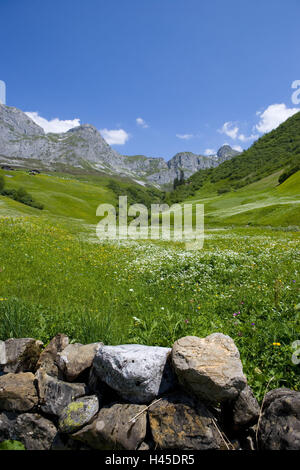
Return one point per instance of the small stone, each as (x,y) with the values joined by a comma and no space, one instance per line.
(49,357)
(209,367)
(114,430)
(179,422)
(17,392)
(144,446)
(22,354)
(243,412)
(56,394)
(76,358)
(138,373)
(279,426)
(78,413)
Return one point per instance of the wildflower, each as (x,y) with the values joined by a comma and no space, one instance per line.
(276,344)
(253,324)
(137,320)
(186,321)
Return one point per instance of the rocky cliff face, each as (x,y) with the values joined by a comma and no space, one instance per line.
(25,144)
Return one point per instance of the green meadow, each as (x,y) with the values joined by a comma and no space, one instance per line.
(55,276)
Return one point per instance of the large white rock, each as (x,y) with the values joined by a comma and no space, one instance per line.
(138,373)
(209,367)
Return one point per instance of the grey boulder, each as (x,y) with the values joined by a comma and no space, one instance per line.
(115,429)
(209,367)
(76,358)
(56,394)
(243,412)
(138,373)
(279,426)
(35,431)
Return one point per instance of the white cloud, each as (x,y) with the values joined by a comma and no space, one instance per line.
(140,122)
(273,116)
(115,136)
(244,138)
(185,136)
(232,130)
(55,125)
(229,129)
(210,152)
(237,147)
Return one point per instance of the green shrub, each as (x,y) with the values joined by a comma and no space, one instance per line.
(19,195)
(284,176)
(223,190)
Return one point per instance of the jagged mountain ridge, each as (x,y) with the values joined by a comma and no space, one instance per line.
(25,144)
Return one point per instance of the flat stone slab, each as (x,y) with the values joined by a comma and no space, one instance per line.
(138,373)
(180,422)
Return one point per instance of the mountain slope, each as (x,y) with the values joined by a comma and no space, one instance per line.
(276,151)
(24,144)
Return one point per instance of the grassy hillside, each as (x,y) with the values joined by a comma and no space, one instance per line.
(68,199)
(276,151)
(262,203)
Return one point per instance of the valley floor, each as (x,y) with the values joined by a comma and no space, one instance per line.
(244,283)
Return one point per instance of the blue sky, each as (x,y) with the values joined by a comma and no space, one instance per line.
(155,76)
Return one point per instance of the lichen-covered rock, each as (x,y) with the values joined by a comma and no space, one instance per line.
(209,367)
(49,357)
(56,394)
(113,429)
(180,422)
(279,426)
(18,392)
(138,373)
(76,358)
(22,354)
(78,413)
(35,431)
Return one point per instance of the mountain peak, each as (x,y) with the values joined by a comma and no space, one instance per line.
(226,152)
